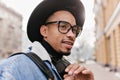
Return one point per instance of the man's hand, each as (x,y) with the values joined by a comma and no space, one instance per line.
(77,72)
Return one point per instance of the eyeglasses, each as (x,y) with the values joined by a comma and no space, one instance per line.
(64,27)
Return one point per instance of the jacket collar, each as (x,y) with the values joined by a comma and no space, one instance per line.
(38,49)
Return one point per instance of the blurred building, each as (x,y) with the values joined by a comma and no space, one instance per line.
(10,30)
(107,17)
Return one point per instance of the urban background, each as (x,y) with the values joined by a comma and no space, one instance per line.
(102,57)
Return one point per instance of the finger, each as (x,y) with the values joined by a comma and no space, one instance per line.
(87,72)
(72,68)
(79,70)
(69,67)
(68,77)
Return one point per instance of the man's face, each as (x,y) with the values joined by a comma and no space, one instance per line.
(59,41)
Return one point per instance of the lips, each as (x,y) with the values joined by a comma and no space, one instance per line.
(68,44)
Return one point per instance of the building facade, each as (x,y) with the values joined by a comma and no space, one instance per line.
(107,18)
(10,30)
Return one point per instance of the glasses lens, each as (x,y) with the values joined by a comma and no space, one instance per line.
(64,27)
(74,29)
(77,29)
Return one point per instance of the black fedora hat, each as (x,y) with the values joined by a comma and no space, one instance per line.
(47,8)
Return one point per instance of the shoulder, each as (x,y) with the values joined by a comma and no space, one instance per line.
(18,66)
(14,63)
(12,60)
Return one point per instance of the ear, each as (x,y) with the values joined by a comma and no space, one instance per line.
(43,30)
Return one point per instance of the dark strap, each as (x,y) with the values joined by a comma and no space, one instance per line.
(41,65)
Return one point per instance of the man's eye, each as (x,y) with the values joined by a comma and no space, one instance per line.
(63,27)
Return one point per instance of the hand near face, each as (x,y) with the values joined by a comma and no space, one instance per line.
(77,72)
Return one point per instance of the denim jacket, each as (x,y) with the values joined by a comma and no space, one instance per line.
(20,67)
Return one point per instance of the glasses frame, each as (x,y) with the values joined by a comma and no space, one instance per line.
(78,30)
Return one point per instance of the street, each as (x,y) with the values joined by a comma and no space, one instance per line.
(102,73)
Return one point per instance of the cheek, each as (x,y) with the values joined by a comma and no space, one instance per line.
(56,39)
(54,36)
(55,42)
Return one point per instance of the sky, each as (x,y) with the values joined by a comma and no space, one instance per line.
(25,8)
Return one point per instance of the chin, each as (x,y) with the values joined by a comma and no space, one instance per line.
(66,53)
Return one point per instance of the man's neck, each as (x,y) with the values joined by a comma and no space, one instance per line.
(53,54)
